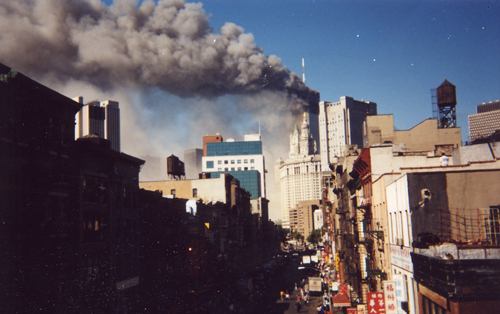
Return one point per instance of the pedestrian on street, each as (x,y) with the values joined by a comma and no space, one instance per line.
(299,306)
(301,293)
(295,286)
(282,295)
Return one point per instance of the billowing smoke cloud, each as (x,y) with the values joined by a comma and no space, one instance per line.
(175,78)
(169,45)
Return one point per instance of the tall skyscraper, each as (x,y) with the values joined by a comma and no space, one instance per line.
(340,125)
(300,174)
(485,122)
(112,123)
(243,160)
(100,118)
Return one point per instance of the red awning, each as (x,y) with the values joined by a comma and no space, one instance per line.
(341,300)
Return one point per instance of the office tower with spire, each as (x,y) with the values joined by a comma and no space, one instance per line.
(300,174)
(99,118)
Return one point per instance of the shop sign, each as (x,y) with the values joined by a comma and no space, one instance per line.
(361,309)
(390,297)
(376,302)
(400,256)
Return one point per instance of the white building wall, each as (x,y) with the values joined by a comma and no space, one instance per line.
(300,180)
(210,190)
(383,161)
(398,211)
(238,163)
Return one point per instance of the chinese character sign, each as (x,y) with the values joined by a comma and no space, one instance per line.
(351,310)
(390,297)
(376,303)
(361,309)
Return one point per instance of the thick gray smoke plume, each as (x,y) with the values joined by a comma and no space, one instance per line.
(169,44)
(174,77)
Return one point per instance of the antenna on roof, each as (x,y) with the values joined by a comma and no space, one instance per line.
(303,71)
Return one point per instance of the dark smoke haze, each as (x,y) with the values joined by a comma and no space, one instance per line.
(175,78)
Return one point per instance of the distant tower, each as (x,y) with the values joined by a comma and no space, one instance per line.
(447,101)
(100,118)
(303,71)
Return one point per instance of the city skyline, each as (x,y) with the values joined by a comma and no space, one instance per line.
(390,53)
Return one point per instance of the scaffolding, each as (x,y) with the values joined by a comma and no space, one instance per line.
(472,226)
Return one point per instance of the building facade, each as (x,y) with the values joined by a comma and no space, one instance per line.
(302,217)
(485,122)
(243,160)
(299,175)
(424,137)
(341,125)
(193,162)
(100,118)
(70,208)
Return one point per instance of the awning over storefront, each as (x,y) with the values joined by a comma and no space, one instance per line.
(341,300)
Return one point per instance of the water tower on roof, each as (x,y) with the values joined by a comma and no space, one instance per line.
(446,105)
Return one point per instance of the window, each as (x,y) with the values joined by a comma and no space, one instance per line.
(253,168)
(195,192)
(491,219)
(210,164)
(226,169)
(219,169)
(245,161)
(252,161)
(172,192)
(219,162)
(232,162)
(431,307)
(232,168)
(225,162)
(239,161)
(239,168)
(246,168)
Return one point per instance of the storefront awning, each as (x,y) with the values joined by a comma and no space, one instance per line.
(341,300)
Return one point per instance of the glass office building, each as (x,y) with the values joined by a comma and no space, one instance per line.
(249,180)
(234,148)
(241,159)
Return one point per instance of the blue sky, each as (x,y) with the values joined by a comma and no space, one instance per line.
(388,52)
